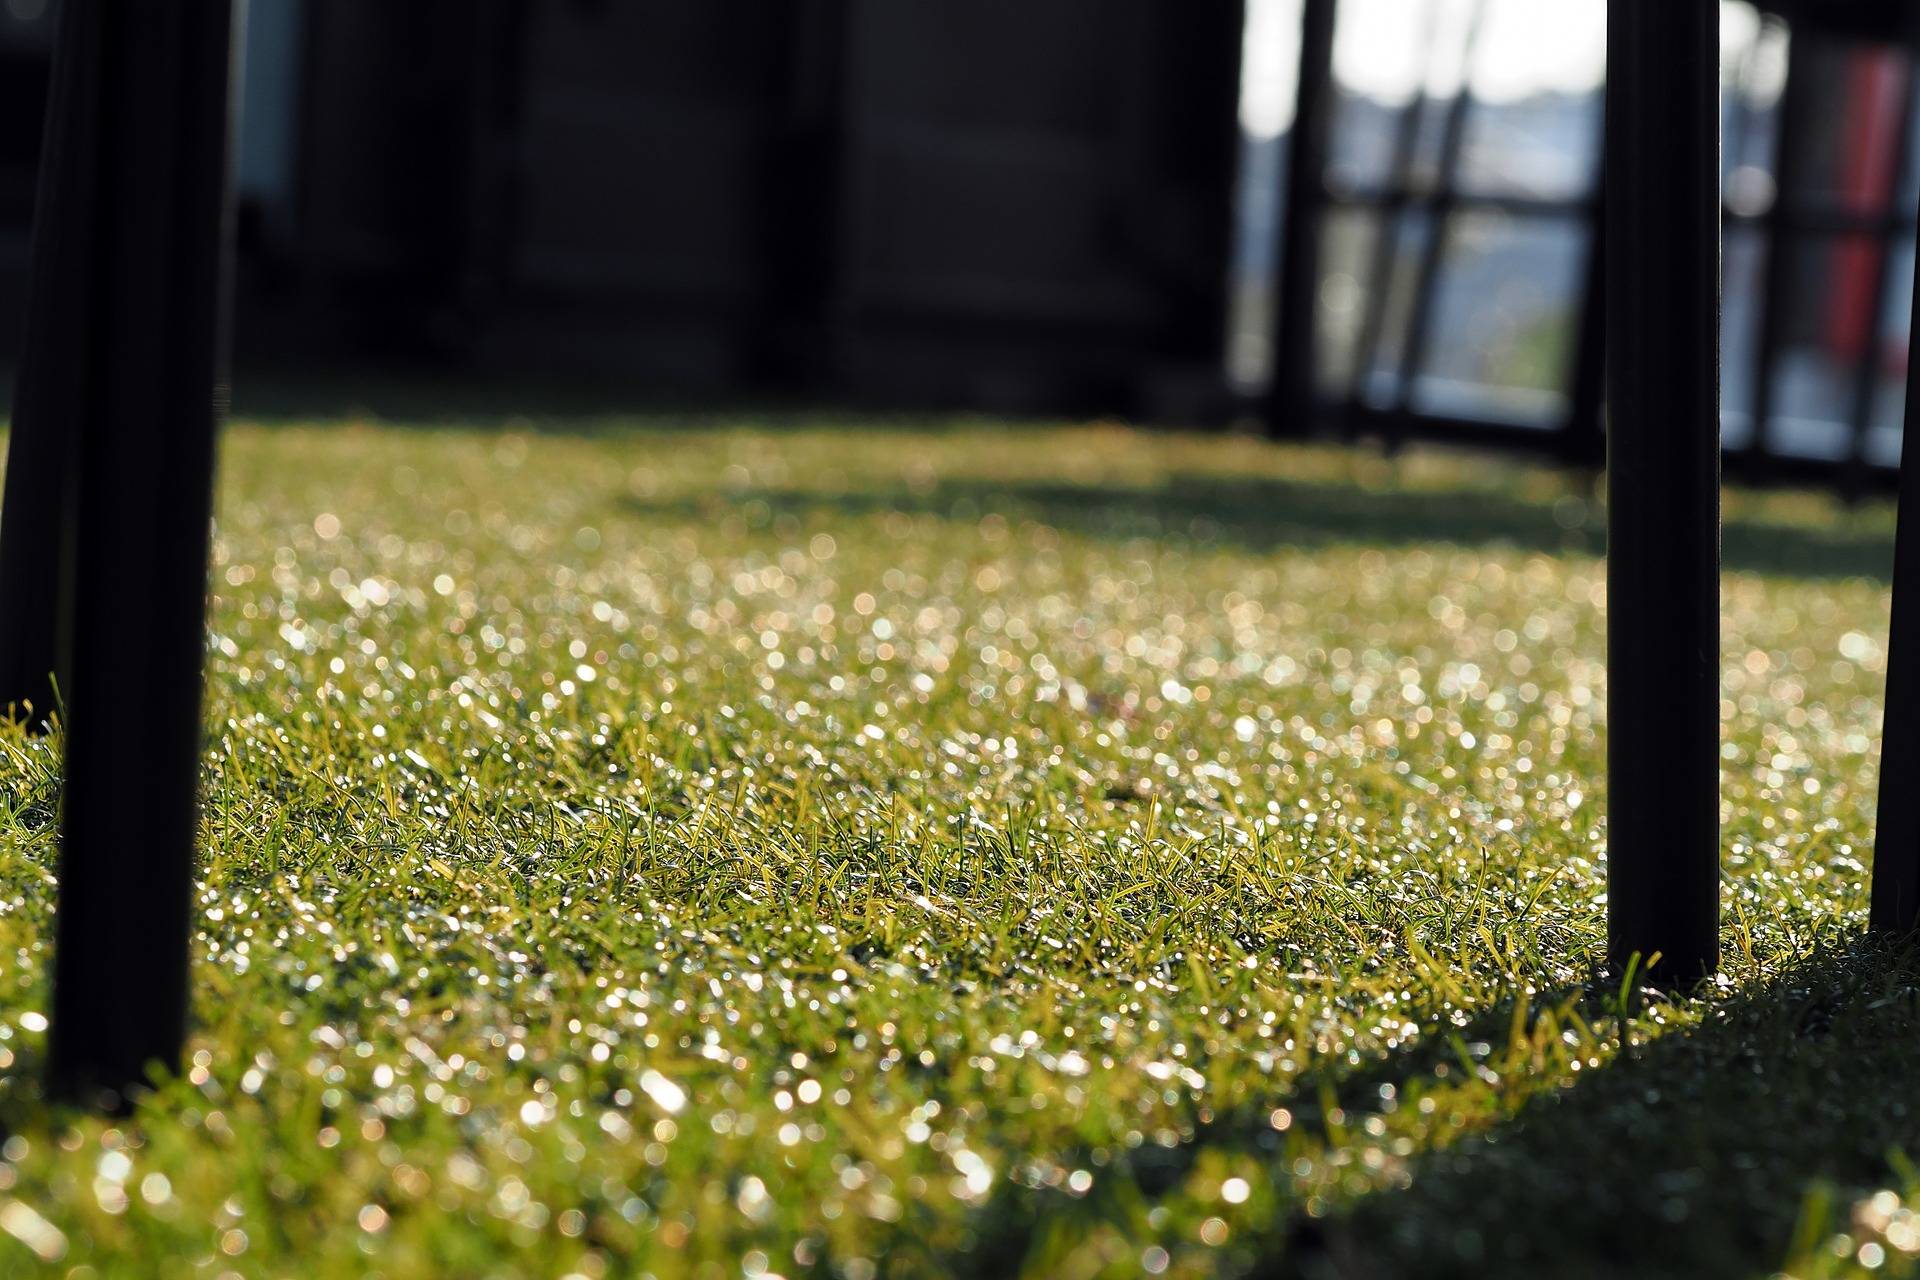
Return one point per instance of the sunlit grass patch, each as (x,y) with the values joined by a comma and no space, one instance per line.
(709,849)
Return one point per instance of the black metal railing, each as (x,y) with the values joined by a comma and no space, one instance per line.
(1819,124)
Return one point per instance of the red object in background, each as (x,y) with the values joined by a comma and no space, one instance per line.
(1864,178)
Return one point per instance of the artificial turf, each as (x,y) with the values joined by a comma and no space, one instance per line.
(713,847)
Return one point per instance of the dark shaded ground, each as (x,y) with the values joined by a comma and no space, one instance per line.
(1263,514)
(1692,1157)
(1255,513)
(407,395)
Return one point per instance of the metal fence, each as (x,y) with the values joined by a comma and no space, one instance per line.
(1439,273)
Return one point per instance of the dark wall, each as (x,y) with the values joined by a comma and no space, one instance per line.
(1863,19)
(405,181)
(1035,197)
(1014,204)
(651,143)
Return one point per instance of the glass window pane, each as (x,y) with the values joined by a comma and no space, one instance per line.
(1348,242)
(27,24)
(1269,84)
(1381,47)
(1503,319)
(1534,127)
(1380,388)
(1908,196)
(1826,326)
(1256,242)
(1753,65)
(1363,150)
(1259,220)
(1269,67)
(1391,60)
(1546,147)
(1427,157)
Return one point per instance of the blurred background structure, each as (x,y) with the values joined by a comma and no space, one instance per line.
(1453,235)
(1076,206)
(1000,203)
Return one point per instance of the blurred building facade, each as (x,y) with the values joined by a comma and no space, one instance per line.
(1047,205)
(1001,204)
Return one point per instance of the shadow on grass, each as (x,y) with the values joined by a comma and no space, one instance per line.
(1042,1233)
(1692,1156)
(1258,514)
(1261,514)
(409,398)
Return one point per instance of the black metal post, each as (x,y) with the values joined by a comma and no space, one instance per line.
(117,412)
(1663,486)
(1292,397)
(36,521)
(1896,838)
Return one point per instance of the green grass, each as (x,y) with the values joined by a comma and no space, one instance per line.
(710,849)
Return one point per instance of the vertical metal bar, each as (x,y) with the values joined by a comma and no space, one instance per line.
(1663,486)
(128,306)
(1583,439)
(1446,185)
(1780,234)
(1291,400)
(1896,841)
(1395,216)
(1853,471)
